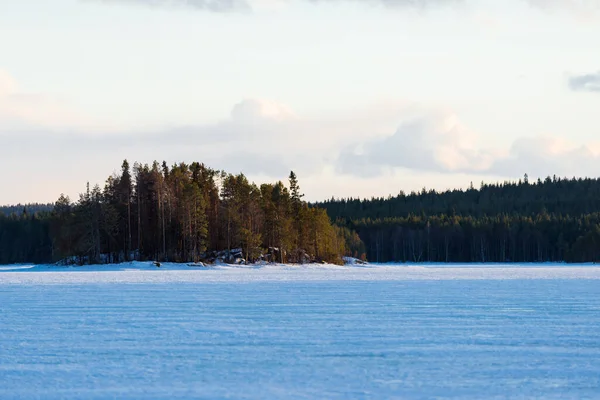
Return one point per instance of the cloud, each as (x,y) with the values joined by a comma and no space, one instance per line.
(259,130)
(572,5)
(399,3)
(432,142)
(250,110)
(259,137)
(585,83)
(221,6)
(545,155)
(20,110)
(263,139)
(206,5)
(253,124)
(266,139)
(438,142)
(584,11)
(583,8)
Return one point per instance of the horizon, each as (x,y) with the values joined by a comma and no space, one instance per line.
(470,186)
(360,99)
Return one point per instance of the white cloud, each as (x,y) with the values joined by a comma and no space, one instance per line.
(545,155)
(586,82)
(20,110)
(583,11)
(208,5)
(579,6)
(243,5)
(380,147)
(259,130)
(359,144)
(253,109)
(582,8)
(438,142)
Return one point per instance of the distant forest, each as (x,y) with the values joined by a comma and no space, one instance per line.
(31,208)
(187,213)
(551,220)
(180,213)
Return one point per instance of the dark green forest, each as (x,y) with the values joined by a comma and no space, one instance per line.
(185,213)
(551,220)
(28,208)
(179,213)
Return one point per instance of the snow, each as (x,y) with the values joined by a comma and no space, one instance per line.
(146,272)
(134,331)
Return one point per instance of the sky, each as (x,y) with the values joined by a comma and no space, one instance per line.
(360,98)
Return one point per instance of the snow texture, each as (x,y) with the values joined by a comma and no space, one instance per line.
(135,331)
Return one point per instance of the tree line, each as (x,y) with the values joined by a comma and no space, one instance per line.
(178,213)
(551,220)
(31,208)
(183,212)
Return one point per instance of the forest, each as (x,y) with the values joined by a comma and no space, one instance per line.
(185,213)
(550,220)
(181,213)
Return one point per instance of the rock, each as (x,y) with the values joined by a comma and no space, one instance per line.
(197,264)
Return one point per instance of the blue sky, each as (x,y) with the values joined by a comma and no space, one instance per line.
(360,98)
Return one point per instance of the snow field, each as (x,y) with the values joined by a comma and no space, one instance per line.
(312,332)
(144,272)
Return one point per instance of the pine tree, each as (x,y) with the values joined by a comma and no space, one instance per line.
(176,213)
(125,193)
(299,239)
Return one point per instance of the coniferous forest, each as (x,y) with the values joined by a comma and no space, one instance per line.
(182,213)
(185,213)
(551,220)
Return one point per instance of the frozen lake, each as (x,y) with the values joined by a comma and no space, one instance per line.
(288,332)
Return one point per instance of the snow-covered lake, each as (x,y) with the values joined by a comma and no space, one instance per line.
(319,332)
